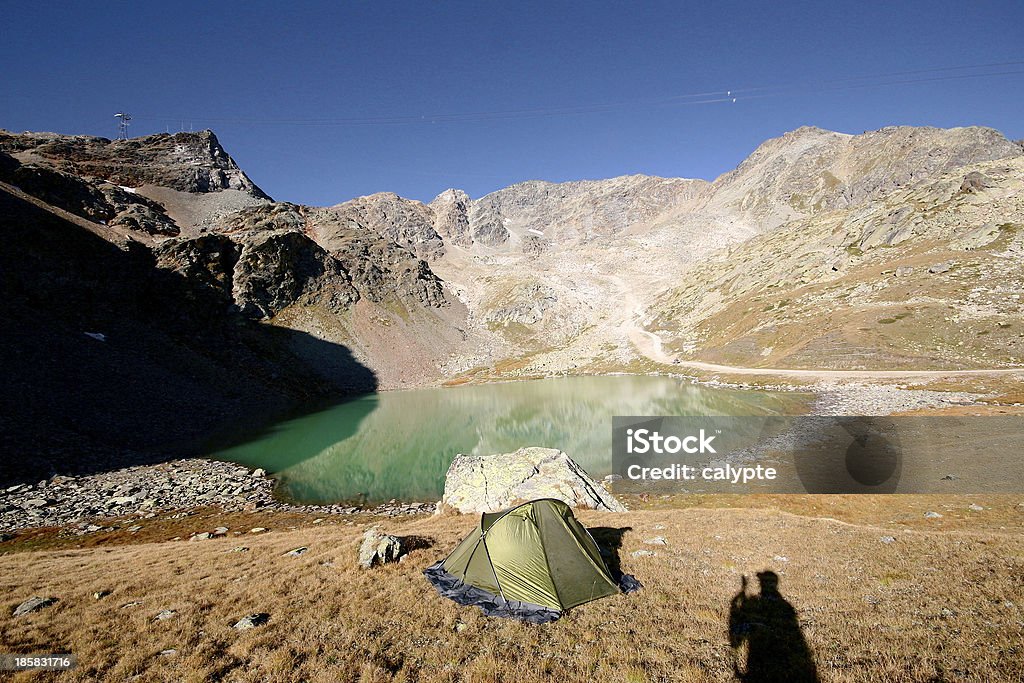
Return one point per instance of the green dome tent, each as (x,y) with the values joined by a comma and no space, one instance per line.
(529,562)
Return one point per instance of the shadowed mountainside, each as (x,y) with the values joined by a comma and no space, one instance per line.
(110,361)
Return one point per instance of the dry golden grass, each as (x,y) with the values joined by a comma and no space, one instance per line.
(934,605)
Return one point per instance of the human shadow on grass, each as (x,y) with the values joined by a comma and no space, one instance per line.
(767,625)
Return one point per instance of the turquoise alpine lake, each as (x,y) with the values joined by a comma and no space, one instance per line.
(399,444)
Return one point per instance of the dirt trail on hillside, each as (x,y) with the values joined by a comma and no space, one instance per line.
(650,346)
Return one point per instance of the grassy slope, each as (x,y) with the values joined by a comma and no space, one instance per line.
(944,601)
(822,293)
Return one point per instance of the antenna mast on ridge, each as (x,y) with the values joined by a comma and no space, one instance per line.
(122,124)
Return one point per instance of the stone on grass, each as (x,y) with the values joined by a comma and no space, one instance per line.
(932,515)
(657,540)
(164,614)
(887,539)
(32,604)
(251,621)
(642,553)
(488,483)
(378,548)
(296,552)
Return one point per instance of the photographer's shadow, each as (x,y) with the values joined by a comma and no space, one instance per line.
(766,624)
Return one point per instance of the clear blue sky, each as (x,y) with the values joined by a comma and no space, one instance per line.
(246,69)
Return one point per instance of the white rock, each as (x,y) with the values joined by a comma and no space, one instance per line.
(495,482)
(251,621)
(32,604)
(378,548)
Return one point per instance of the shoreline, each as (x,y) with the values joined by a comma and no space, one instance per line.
(144,491)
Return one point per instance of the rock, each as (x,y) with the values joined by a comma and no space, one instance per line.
(940,268)
(121,500)
(168,653)
(32,604)
(99,595)
(975,507)
(296,552)
(259,473)
(35,502)
(164,614)
(202,536)
(378,548)
(257,530)
(495,482)
(904,271)
(932,515)
(239,549)
(460,627)
(135,528)
(251,621)
(887,539)
(133,603)
(975,182)
(219,531)
(657,540)
(642,553)
(781,558)
(978,237)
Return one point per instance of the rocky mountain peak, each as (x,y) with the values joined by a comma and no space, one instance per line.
(186,162)
(810,170)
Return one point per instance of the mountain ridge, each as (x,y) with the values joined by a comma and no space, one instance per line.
(535,278)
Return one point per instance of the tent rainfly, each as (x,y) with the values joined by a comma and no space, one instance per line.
(529,562)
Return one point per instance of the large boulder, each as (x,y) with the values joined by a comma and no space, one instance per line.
(494,482)
(378,548)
